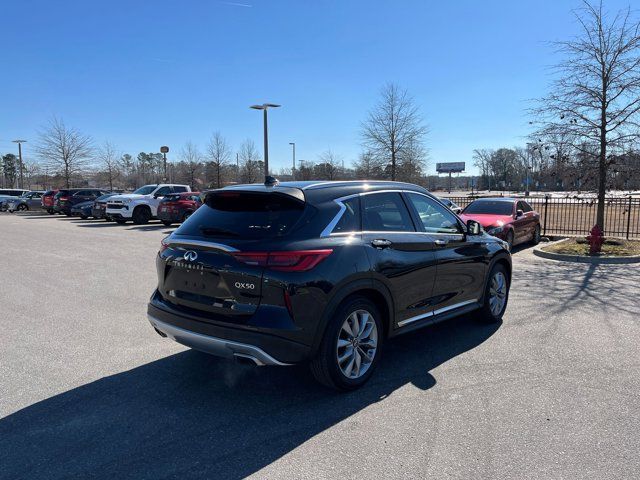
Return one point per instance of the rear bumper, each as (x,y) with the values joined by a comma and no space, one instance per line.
(219,347)
(225,341)
(173,217)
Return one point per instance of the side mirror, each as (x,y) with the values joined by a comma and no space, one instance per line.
(519,213)
(473,227)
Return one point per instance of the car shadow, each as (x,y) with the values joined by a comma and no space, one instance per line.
(190,415)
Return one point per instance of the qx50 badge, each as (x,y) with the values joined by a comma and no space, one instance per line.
(190,256)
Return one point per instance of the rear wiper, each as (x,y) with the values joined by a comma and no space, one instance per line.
(213,231)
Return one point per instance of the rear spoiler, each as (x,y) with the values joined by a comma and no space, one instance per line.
(291,192)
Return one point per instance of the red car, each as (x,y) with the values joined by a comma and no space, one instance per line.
(177,207)
(48,201)
(511,219)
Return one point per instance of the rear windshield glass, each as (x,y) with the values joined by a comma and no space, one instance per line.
(495,207)
(244,215)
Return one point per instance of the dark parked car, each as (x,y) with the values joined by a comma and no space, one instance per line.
(48,201)
(100,206)
(510,219)
(324,272)
(176,208)
(65,199)
(82,209)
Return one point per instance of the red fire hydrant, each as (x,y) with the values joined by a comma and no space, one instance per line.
(596,239)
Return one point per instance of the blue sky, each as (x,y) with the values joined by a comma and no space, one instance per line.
(148,73)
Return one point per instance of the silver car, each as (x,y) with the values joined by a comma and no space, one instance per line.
(28,201)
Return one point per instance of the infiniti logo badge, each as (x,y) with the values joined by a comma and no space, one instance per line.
(190,256)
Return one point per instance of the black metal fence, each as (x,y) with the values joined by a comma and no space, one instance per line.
(576,216)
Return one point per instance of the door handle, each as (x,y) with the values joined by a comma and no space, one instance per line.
(440,243)
(381,243)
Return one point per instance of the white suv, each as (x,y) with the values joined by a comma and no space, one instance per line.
(141,205)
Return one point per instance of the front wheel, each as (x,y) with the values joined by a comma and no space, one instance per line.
(350,348)
(496,295)
(509,239)
(83,217)
(141,215)
(23,207)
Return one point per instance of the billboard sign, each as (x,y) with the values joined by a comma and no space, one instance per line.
(450,167)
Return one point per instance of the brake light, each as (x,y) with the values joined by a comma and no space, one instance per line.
(163,245)
(63,199)
(293,261)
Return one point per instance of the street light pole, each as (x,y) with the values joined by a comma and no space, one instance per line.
(164,150)
(293,168)
(264,107)
(20,142)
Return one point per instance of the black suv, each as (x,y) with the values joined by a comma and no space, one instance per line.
(67,198)
(322,272)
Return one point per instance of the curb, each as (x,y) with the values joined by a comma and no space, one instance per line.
(563,257)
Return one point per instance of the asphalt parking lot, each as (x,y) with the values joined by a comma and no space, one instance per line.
(88,389)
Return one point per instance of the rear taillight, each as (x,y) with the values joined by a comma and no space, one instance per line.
(294,261)
(63,199)
(163,245)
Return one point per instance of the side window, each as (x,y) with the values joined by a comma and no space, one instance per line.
(385,212)
(163,191)
(81,193)
(525,207)
(434,217)
(350,220)
(179,189)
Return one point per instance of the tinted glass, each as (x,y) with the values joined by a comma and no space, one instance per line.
(385,212)
(146,190)
(490,207)
(244,215)
(350,220)
(163,191)
(179,189)
(171,198)
(525,207)
(435,218)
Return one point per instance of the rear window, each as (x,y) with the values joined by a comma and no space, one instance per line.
(244,215)
(62,193)
(489,207)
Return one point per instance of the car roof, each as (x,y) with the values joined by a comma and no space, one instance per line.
(318,191)
(498,199)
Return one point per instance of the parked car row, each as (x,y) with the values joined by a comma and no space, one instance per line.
(169,203)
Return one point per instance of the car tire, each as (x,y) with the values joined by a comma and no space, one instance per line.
(50,212)
(185,216)
(120,221)
(141,215)
(509,239)
(23,207)
(83,217)
(496,295)
(166,224)
(338,341)
(536,235)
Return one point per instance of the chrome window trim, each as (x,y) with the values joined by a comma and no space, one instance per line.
(433,313)
(328,230)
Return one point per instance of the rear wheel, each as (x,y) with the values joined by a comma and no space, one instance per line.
(83,217)
(22,207)
(50,211)
(141,215)
(350,348)
(496,295)
(536,235)
(185,216)
(166,223)
(120,221)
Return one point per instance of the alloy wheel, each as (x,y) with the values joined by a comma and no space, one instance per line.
(497,293)
(357,344)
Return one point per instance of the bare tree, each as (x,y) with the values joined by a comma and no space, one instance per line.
(596,96)
(392,126)
(191,158)
(329,166)
(109,162)
(219,154)
(482,160)
(64,150)
(251,165)
(369,166)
